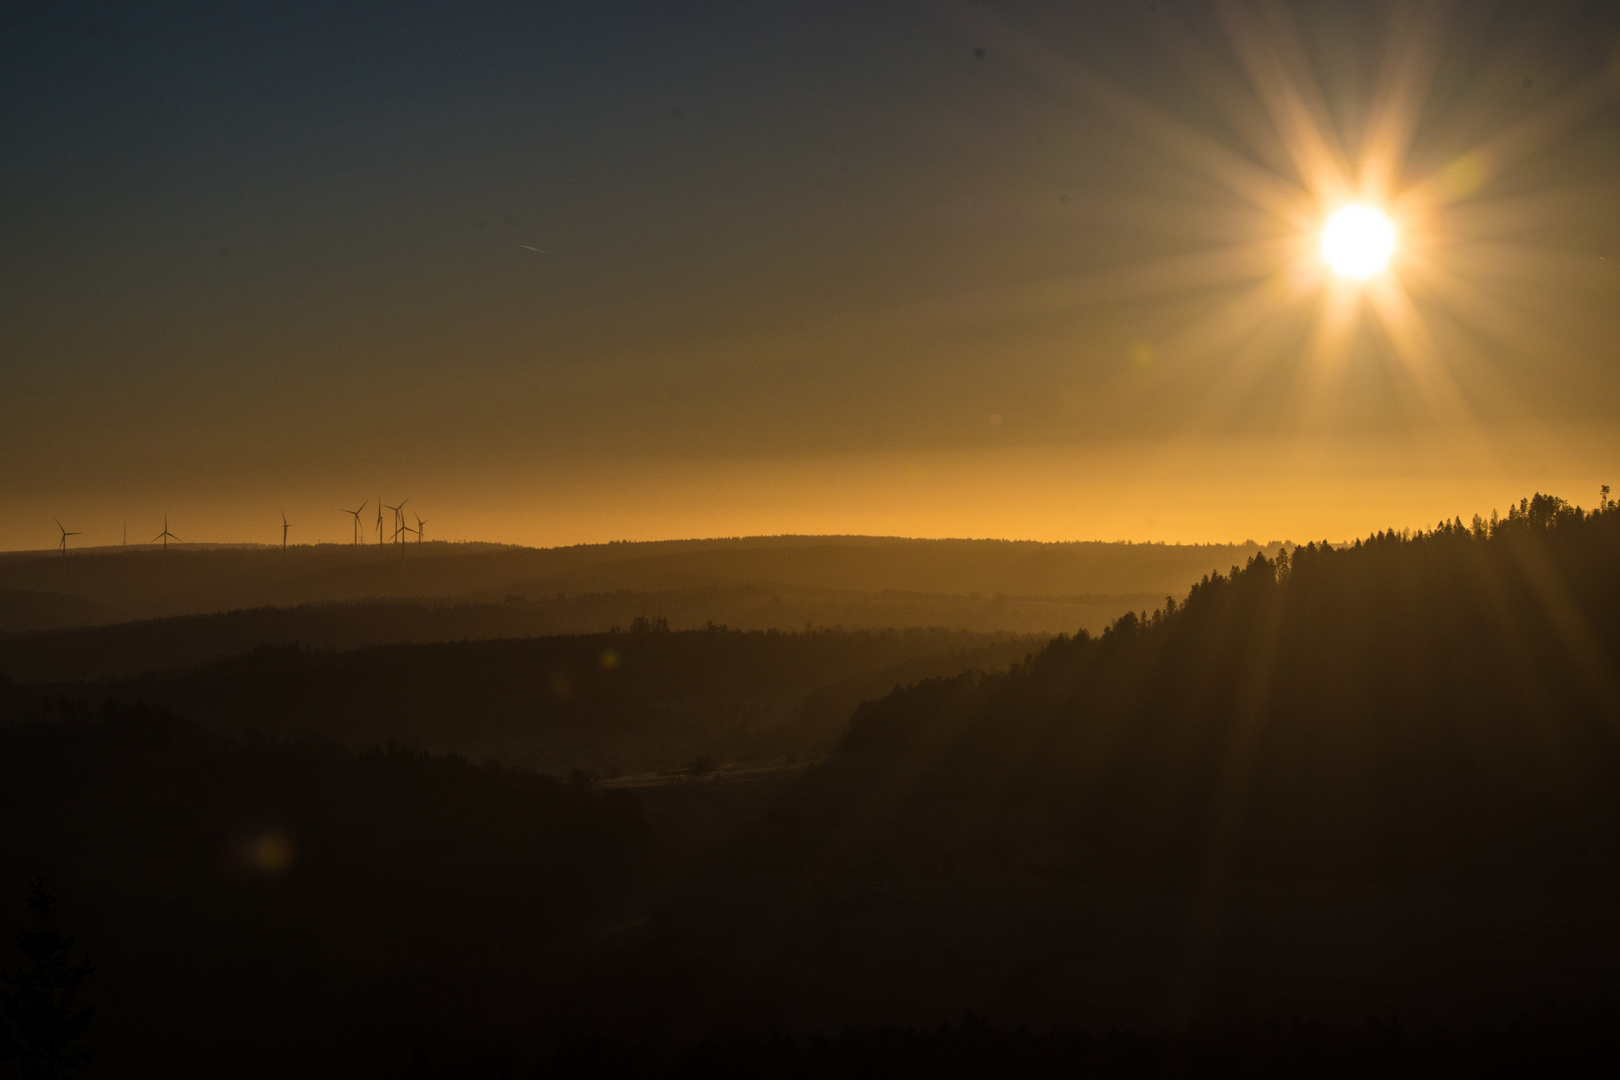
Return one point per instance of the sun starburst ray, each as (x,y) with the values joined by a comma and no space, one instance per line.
(1566,207)
(1230,170)
(1554,270)
(1235,264)
(1412,54)
(1274,59)
(1472,170)
(1494,315)
(1422,363)
(1224,89)
(1230,332)
(1322,373)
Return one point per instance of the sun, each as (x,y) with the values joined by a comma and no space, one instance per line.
(1358,240)
(1384,243)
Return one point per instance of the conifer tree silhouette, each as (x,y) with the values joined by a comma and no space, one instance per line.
(43,1027)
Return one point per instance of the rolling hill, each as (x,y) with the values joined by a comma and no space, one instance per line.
(118,584)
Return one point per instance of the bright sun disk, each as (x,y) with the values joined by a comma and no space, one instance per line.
(1358,240)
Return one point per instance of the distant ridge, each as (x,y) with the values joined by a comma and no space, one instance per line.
(26,609)
(143,582)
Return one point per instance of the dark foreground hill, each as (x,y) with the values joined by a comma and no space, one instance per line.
(1381,781)
(258,909)
(1284,826)
(858,581)
(1442,708)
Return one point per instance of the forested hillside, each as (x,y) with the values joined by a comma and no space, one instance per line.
(1440,707)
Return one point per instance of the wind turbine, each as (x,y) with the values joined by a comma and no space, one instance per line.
(419,523)
(399,520)
(356,515)
(165,535)
(65,534)
(379,520)
(284,528)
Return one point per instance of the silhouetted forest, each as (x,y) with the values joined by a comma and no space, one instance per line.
(1339,811)
(128,649)
(639,700)
(1439,707)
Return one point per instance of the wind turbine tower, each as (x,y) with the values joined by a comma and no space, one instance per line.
(62,547)
(284,528)
(165,535)
(399,521)
(356,515)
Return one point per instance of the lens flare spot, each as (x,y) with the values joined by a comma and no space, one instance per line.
(260,853)
(1358,240)
(1465,175)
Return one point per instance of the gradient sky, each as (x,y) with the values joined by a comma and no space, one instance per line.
(577,272)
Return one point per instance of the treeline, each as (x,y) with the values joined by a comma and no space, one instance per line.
(1440,707)
(607,702)
(127,649)
(249,905)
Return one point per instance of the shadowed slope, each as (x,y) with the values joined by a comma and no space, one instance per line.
(1441,707)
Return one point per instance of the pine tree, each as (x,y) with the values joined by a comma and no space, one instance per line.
(43,1026)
